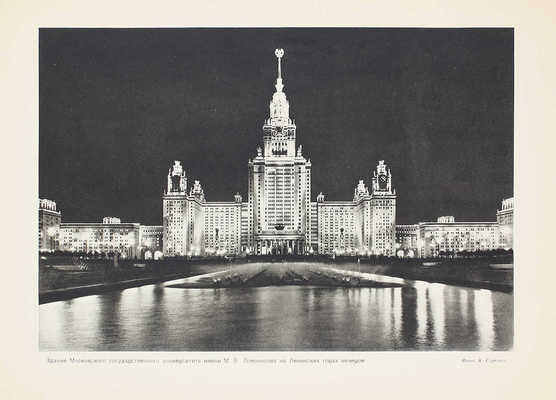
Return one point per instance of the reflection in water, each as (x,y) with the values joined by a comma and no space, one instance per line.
(484,318)
(365,300)
(422,314)
(385,308)
(436,301)
(396,314)
(111,322)
(463,303)
(418,316)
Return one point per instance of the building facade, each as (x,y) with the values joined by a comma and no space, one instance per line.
(505,219)
(183,222)
(448,237)
(279,217)
(49,225)
(223,227)
(406,240)
(174,212)
(122,238)
(150,239)
(437,238)
(336,227)
(366,225)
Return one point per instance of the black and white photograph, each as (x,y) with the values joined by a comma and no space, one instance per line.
(276,189)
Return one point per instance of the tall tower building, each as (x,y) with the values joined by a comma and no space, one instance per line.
(183,227)
(383,212)
(194,219)
(362,217)
(49,225)
(174,205)
(279,183)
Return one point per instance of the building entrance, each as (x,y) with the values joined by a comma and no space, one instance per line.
(280,247)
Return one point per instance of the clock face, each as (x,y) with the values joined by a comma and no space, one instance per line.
(382,181)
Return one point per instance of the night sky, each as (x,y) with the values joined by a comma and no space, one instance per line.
(117,106)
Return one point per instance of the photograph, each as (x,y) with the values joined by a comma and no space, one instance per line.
(287,189)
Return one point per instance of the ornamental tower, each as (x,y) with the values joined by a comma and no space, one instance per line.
(174,204)
(177,182)
(195,219)
(383,212)
(279,183)
(182,215)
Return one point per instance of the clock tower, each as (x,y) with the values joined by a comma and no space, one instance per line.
(382,179)
(383,212)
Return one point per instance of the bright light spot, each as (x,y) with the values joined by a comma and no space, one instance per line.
(436,296)
(484,318)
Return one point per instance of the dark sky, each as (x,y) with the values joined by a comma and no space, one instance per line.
(118,105)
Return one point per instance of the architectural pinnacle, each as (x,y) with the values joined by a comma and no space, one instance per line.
(279,54)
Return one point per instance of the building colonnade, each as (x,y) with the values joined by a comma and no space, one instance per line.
(280,246)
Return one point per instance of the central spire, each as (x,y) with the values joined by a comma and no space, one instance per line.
(279,107)
(279,129)
(279,54)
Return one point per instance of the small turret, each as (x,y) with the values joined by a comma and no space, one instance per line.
(360,191)
(382,180)
(197,191)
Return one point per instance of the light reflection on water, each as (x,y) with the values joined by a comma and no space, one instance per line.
(419,316)
(436,302)
(484,318)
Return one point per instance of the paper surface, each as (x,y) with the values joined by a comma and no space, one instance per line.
(525,372)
